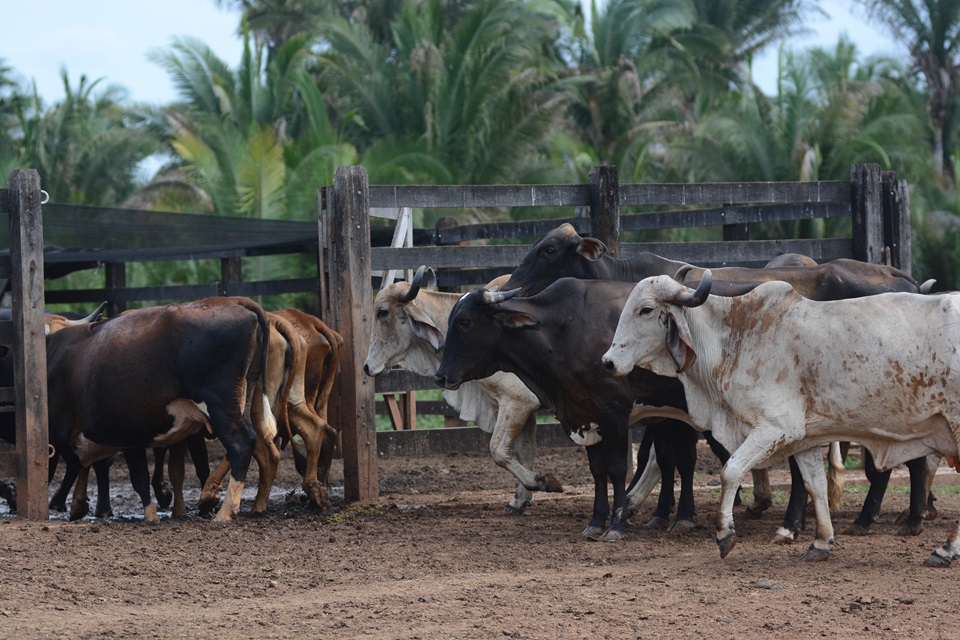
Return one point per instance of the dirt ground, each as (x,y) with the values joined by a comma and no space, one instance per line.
(435,557)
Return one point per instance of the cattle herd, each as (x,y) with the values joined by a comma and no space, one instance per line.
(768,364)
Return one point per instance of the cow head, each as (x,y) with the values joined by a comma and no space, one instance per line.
(476,327)
(652,332)
(559,253)
(53,322)
(402,331)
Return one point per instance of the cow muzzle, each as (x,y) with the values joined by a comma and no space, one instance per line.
(447,383)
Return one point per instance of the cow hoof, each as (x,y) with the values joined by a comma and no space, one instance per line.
(656,523)
(150,514)
(592,532)
(105,513)
(856,530)
(207,503)
(937,561)
(932,513)
(727,544)
(683,526)
(757,509)
(316,492)
(510,510)
(550,483)
(164,496)
(910,529)
(79,509)
(814,554)
(613,535)
(59,507)
(784,536)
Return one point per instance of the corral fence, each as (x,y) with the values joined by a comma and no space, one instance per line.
(875,202)
(352,256)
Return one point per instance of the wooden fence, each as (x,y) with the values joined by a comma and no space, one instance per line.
(875,202)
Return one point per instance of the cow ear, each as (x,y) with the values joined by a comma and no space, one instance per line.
(517,320)
(591,248)
(678,340)
(424,327)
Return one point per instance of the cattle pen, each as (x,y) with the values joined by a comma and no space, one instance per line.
(352,257)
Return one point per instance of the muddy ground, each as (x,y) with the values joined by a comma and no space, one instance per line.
(435,557)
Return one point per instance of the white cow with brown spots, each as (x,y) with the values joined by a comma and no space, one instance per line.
(773,374)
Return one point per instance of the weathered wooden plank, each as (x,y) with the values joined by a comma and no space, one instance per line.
(6,332)
(506,257)
(733,214)
(353,394)
(531,229)
(8,395)
(29,346)
(400,380)
(458,440)
(733,193)
(463,196)
(186,292)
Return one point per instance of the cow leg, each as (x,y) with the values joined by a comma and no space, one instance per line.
(160,486)
(601,503)
(933,463)
(760,444)
(59,500)
(210,494)
(140,479)
(762,500)
(615,446)
(794,520)
(177,468)
(810,463)
(197,446)
(101,468)
(647,475)
(312,430)
(950,551)
(267,455)
(686,459)
(80,504)
(870,511)
(327,451)
(513,447)
(912,521)
(664,443)
(239,438)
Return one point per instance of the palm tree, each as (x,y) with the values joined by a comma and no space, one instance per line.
(469,104)
(930,29)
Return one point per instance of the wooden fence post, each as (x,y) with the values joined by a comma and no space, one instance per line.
(605,207)
(351,296)
(115,278)
(866,213)
(895,202)
(29,343)
(231,272)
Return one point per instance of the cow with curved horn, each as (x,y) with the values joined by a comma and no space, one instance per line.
(409,331)
(774,374)
(553,342)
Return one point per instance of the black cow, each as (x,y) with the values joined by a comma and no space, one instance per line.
(153,376)
(553,342)
(562,252)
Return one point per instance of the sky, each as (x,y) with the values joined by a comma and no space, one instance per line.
(110,39)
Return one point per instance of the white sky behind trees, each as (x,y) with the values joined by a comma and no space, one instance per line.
(110,39)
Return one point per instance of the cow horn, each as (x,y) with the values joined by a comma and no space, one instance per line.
(699,296)
(682,272)
(96,314)
(415,285)
(495,297)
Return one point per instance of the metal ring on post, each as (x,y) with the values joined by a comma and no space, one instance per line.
(44,197)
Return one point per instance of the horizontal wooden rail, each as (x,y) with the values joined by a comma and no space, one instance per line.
(184,292)
(464,196)
(734,193)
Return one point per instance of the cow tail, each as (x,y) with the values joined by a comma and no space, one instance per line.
(294,357)
(264,325)
(835,476)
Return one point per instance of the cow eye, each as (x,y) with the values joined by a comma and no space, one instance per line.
(382,313)
(646,311)
(463,324)
(549,251)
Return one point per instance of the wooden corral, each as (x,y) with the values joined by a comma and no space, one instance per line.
(349,262)
(875,202)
